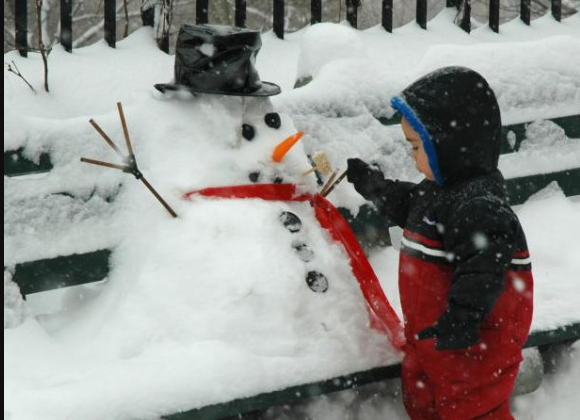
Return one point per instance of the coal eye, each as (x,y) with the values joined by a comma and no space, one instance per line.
(272,120)
(248,132)
(254,176)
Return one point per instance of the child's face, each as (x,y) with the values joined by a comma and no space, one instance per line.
(419,155)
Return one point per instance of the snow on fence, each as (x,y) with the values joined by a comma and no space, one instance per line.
(148,15)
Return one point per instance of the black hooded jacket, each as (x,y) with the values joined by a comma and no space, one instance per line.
(462,221)
(457,116)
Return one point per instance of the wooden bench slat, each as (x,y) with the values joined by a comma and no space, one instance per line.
(566,333)
(15,164)
(520,189)
(53,273)
(570,125)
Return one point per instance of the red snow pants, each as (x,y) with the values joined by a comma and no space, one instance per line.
(473,383)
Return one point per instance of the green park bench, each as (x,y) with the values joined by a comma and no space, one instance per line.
(72,270)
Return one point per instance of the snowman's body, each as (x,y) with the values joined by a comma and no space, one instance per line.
(233,297)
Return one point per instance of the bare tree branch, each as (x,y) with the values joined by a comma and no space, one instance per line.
(13,68)
(126,8)
(43,51)
(96,29)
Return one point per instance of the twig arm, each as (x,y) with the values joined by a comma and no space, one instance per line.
(131,163)
(156,194)
(106,138)
(125,129)
(107,164)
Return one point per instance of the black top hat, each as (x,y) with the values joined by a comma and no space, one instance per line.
(218,59)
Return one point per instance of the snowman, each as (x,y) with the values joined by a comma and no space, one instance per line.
(258,284)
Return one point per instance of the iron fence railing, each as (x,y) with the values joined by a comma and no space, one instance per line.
(202,8)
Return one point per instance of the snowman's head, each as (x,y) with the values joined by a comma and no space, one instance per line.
(271,138)
(222,140)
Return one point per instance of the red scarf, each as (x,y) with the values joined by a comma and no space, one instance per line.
(383,317)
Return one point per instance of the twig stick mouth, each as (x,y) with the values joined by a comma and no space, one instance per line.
(328,190)
(329,181)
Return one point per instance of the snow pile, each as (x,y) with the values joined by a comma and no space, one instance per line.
(544,135)
(542,75)
(532,75)
(327,42)
(554,255)
(545,149)
(558,397)
(15,310)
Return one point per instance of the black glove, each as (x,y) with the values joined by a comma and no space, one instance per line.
(456,329)
(367,180)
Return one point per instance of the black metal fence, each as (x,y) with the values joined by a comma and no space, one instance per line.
(66,10)
(278,17)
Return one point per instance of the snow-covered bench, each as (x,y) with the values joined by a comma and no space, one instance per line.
(92,266)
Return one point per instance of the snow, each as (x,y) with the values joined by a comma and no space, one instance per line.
(324,43)
(181,321)
(545,149)
(15,310)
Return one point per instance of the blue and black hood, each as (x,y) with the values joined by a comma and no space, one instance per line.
(458,119)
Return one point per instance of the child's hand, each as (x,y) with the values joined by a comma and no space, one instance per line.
(365,178)
(454,330)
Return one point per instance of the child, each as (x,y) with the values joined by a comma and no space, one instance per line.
(464,272)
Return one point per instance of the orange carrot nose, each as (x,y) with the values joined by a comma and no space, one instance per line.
(284,146)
